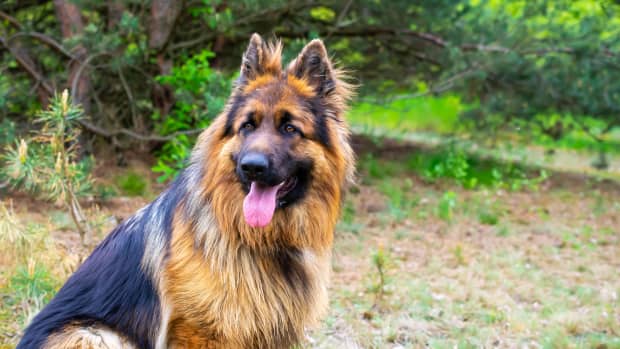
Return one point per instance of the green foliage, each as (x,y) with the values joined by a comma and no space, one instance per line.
(472,172)
(32,282)
(132,184)
(29,288)
(323,13)
(7,132)
(48,163)
(552,52)
(201,94)
(403,113)
(517,64)
(376,169)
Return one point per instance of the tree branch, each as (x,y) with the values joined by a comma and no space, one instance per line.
(141,137)
(14,22)
(46,40)
(28,65)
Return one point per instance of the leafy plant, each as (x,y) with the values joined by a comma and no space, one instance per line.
(471,171)
(48,163)
(29,288)
(201,94)
(32,282)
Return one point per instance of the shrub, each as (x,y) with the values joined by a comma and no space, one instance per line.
(200,94)
(47,164)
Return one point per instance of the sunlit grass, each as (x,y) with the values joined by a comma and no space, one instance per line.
(409,114)
(440,116)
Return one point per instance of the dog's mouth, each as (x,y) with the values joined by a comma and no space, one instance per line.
(262,200)
(286,187)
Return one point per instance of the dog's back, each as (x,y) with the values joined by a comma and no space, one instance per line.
(112,290)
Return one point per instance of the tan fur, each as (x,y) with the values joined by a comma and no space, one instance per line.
(233,286)
(82,337)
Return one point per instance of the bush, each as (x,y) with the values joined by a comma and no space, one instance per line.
(201,94)
(47,164)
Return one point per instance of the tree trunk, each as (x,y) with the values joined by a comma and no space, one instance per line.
(71,24)
(115,13)
(164,14)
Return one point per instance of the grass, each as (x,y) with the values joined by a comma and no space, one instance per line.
(409,114)
(495,274)
(440,115)
(433,250)
(132,184)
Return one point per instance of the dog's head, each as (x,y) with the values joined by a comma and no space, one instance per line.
(283,138)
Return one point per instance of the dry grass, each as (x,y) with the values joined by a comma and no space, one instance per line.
(537,269)
(542,273)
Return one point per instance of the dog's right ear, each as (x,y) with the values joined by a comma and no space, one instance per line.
(252,58)
(260,59)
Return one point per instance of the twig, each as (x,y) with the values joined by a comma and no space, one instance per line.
(31,70)
(132,104)
(83,65)
(11,20)
(46,40)
(341,16)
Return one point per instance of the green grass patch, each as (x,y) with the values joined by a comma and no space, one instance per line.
(435,114)
(453,164)
(132,184)
(28,290)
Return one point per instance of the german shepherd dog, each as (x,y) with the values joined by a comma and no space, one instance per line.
(236,252)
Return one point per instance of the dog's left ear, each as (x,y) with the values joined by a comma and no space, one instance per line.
(313,66)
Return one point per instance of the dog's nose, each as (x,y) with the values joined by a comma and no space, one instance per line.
(254,165)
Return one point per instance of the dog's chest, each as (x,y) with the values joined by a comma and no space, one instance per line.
(236,299)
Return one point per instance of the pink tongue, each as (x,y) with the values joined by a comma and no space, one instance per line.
(259,204)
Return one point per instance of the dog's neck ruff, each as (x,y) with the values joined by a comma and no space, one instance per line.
(250,297)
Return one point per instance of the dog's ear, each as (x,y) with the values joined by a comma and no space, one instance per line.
(252,58)
(313,66)
(259,59)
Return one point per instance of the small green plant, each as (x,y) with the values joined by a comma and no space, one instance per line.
(488,216)
(459,255)
(380,260)
(48,164)
(30,287)
(447,205)
(32,282)
(503,231)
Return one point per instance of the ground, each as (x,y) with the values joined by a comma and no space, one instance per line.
(418,261)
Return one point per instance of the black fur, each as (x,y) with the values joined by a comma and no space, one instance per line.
(110,288)
(237,103)
(320,121)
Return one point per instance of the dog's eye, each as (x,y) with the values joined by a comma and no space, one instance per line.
(247,126)
(288,128)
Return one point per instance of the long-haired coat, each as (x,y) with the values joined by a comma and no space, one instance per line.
(236,252)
